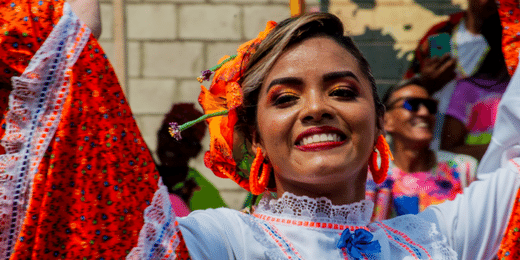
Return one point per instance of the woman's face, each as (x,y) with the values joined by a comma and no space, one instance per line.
(403,124)
(316,115)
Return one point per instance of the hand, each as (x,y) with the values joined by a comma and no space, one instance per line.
(437,71)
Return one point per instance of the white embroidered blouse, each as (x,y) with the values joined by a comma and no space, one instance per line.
(294,227)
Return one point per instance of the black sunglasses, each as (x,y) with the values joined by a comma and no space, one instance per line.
(413,104)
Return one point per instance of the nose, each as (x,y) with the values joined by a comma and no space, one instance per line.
(423,110)
(316,109)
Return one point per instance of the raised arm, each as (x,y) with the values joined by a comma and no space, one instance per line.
(475,222)
(88,12)
(505,142)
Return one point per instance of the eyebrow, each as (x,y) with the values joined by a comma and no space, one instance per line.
(326,78)
(285,81)
(338,75)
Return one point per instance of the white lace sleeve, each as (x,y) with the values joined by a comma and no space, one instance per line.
(202,232)
(159,236)
(411,235)
(506,133)
(475,221)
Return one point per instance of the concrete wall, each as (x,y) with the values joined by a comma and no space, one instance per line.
(387,31)
(171,41)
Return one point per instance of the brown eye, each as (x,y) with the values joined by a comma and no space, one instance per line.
(285,99)
(344,93)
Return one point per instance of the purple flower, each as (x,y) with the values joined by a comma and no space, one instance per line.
(206,74)
(175,131)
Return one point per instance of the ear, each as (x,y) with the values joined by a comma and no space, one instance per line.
(256,142)
(388,124)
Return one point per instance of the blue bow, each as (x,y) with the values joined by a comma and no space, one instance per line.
(360,241)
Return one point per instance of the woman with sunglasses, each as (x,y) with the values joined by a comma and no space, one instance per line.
(418,177)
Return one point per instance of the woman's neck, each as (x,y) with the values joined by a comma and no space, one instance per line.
(338,192)
(417,158)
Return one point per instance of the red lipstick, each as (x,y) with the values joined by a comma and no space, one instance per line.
(321,145)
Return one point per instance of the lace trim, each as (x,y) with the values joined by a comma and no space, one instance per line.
(277,246)
(35,106)
(417,237)
(321,210)
(159,236)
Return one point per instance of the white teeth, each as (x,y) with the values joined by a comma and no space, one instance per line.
(318,138)
(421,125)
(323,138)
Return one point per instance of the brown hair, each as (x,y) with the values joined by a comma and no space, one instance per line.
(286,34)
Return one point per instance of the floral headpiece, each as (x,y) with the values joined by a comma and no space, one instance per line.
(219,104)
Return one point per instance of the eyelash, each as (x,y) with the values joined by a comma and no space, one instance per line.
(344,93)
(284,99)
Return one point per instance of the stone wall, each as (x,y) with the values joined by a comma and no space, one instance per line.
(387,31)
(170,41)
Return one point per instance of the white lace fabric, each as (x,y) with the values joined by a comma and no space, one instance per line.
(247,237)
(304,208)
(416,231)
(35,107)
(159,236)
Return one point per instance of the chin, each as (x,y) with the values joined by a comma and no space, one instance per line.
(325,173)
(423,139)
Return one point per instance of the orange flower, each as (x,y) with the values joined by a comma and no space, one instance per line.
(226,94)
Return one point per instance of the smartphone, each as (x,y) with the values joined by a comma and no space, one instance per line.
(439,44)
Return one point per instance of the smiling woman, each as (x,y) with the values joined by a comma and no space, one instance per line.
(302,100)
(312,92)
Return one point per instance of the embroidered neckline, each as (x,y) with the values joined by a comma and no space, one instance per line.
(291,209)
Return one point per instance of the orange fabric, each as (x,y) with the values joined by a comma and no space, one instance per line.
(24,25)
(509,12)
(510,245)
(181,252)
(226,94)
(97,176)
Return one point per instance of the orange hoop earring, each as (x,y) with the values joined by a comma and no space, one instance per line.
(379,174)
(259,185)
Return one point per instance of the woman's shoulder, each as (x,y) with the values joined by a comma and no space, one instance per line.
(415,234)
(219,218)
(217,214)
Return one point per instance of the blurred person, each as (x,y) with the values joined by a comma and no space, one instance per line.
(470,116)
(474,51)
(182,180)
(418,177)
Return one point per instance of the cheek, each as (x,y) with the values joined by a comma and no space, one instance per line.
(364,130)
(274,127)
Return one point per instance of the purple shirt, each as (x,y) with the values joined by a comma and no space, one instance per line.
(474,103)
